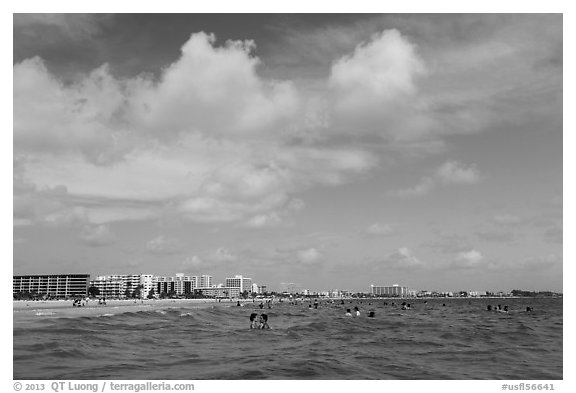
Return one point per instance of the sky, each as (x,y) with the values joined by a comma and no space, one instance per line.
(332,151)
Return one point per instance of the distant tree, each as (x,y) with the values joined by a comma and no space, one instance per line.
(163,295)
(137,292)
(151,294)
(127,293)
(93,291)
(172,294)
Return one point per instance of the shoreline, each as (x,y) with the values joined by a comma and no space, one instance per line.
(23,309)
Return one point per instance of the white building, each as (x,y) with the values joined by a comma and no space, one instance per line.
(238,281)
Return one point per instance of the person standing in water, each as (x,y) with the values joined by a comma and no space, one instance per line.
(253,322)
(264,321)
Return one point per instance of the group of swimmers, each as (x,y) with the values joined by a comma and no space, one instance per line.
(261,323)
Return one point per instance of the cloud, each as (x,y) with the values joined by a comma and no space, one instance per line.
(193,263)
(71,26)
(451,172)
(373,90)
(469,259)
(403,258)
(377,229)
(309,256)
(163,245)
(206,141)
(96,235)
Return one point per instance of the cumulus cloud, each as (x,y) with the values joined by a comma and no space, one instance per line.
(96,235)
(374,89)
(451,172)
(163,245)
(206,140)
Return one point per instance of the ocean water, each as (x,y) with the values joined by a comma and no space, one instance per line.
(460,340)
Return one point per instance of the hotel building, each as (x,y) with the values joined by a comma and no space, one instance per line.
(242,283)
(55,285)
(387,291)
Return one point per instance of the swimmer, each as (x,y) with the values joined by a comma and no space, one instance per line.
(371,314)
(529,309)
(253,322)
(356,311)
(348,313)
(264,321)
(505,308)
(489,308)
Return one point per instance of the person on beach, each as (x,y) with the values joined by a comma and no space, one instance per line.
(261,306)
(264,321)
(253,322)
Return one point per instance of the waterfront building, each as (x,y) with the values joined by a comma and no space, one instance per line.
(109,288)
(53,285)
(205,281)
(389,291)
(240,282)
(147,284)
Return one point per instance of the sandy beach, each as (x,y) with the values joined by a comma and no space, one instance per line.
(64,308)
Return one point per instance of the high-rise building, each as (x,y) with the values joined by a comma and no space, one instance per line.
(205,281)
(238,281)
(147,283)
(54,285)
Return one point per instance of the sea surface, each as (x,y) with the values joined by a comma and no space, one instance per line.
(437,339)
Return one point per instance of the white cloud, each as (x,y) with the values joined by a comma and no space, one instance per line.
(451,172)
(309,256)
(163,245)
(374,89)
(96,235)
(470,258)
(207,141)
(402,258)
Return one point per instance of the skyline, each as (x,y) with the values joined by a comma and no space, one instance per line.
(421,149)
